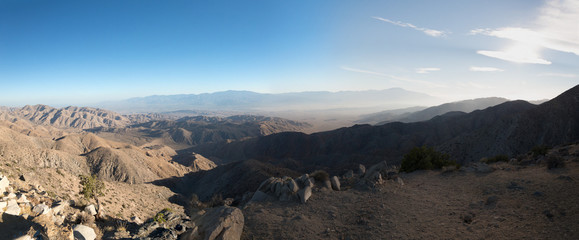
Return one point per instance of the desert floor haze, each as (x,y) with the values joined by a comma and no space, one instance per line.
(510,172)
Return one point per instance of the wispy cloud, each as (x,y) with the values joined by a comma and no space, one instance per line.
(364,71)
(429,32)
(426,70)
(485,69)
(562,75)
(555,28)
(393,77)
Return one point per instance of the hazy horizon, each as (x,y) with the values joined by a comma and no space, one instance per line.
(62,53)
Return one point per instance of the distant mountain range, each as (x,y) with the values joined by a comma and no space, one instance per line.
(246,101)
(509,128)
(418,114)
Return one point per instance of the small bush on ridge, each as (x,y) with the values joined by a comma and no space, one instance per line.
(425,158)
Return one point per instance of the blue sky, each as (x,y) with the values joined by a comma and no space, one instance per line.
(80,52)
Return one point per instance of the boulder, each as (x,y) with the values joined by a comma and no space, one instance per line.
(218,223)
(377,168)
(293,186)
(25,237)
(4,183)
(264,186)
(90,209)
(361,170)
(22,199)
(57,207)
(327,184)
(12,208)
(260,196)
(136,220)
(278,189)
(335,183)
(305,193)
(40,209)
(82,232)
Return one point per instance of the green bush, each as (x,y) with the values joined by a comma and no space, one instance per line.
(91,186)
(497,158)
(540,150)
(425,158)
(160,217)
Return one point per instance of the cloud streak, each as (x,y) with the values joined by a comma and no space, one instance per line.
(397,78)
(426,70)
(427,31)
(561,75)
(555,28)
(485,69)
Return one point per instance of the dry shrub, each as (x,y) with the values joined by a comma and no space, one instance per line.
(320,176)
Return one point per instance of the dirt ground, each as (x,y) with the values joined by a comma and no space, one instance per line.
(511,202)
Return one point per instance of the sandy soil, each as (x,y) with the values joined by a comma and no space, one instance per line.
(512,202)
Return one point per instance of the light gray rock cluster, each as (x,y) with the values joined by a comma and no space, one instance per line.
(288,189)
(35,205)
(283,189)
(375,174)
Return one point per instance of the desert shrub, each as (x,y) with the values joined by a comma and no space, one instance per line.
(85,218)
(91,186)
(497,158)
(160,217)
(215,201)
(540,150)
(425,158)
(320,176)
(195,203)
(555,162)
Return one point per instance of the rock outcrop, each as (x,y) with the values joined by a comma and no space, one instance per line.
(216,223)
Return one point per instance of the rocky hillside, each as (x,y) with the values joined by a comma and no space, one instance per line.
(70,117)
(86,153)
(190,131)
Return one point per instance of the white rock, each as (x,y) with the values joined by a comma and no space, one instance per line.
(90,209)
(40,209)
(25,237)
(136,220)
(83,232)
(335,183)
(11,195)
(4,184)
(59,206)
(305,193)
(12,208)
(22,199)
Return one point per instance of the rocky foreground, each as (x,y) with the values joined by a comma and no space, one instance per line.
(525,198)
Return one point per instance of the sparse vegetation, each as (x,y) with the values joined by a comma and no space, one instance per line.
(540,150)
(495,159)
(555,162)
(216,200)
(91,186)
(320,176)
(425,158)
